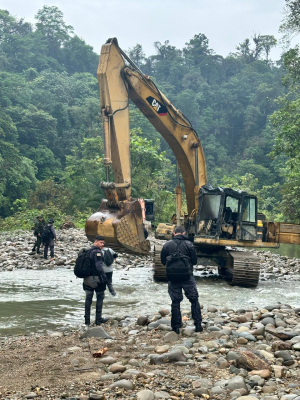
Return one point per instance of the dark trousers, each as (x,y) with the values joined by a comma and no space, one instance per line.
(109,281)
(190,291)
(89,293)
(46,246)
(37,244)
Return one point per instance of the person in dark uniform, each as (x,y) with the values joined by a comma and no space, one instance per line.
(181,277)
(145,232)
(95,283)
(37,231)
(49,237)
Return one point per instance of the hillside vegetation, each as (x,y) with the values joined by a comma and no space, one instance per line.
(243,106)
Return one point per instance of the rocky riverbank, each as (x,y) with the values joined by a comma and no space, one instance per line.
(243,354)
(15,252)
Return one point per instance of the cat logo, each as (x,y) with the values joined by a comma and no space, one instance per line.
(158,107)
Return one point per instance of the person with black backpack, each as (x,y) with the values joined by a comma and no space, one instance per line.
(89,265)
(179,255)
(48,238)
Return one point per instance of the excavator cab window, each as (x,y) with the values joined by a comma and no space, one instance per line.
(149,210)
(209,215)
(232,204)
(248,209)
(248,219)
(210,206)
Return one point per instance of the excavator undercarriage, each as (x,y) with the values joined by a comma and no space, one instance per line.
(239,268)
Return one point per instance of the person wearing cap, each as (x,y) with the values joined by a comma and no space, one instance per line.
(95,283)
(180,276)
(37,231)
(49,238)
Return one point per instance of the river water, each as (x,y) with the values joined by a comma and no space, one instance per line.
(51,300)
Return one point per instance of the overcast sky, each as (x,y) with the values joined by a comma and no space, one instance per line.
(225,22)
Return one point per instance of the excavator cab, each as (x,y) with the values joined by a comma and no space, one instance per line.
(226,214)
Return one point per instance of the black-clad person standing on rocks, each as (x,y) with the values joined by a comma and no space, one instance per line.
(95,283)
(49,237)
(179,255)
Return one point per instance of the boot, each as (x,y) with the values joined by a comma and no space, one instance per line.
(87,320)
(100,321)
(198,328)
(176,330)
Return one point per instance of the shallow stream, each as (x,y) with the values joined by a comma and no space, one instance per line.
(48,300)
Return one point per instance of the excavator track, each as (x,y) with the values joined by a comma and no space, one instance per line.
(242,268)
(245,270)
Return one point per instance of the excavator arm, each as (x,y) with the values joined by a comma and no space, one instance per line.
(120,80)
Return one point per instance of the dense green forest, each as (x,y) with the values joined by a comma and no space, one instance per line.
(243,106)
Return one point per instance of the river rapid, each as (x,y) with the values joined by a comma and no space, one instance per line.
(53,299)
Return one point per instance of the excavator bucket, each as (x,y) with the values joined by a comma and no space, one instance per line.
(121,227)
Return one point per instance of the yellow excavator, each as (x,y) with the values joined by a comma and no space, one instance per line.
(216,217)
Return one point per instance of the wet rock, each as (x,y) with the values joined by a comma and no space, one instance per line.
(161,395)
(269,389)
(268,320)
(123,384)
(163,312)
(155,324)
(279,371)
(232,355)
(296,346)
(96,396)
(279,345)
(256,380)
(96,332)
(31,395)
(108,360)
(242,340)
(142,321)
(284,354)
(115,368)
(162,349)
(217,390)
(172,356)
(264,373)
(145,395)
(251,361)
(248,336)
(200,391)
(212,309)
(236,383)
(222,363)
(171,337)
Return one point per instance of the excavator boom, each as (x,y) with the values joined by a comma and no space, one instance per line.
(119,218)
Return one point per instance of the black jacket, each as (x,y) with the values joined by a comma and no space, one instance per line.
(186,248)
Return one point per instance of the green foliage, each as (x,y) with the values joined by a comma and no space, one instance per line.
(50,125)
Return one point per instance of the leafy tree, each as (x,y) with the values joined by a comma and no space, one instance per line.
(197,49)
(17,177)
(291,22)
(79,57)
(51,25)
(137,55)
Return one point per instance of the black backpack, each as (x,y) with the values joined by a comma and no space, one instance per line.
(108,258)
(178,266)
(83,265)
(47,234)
